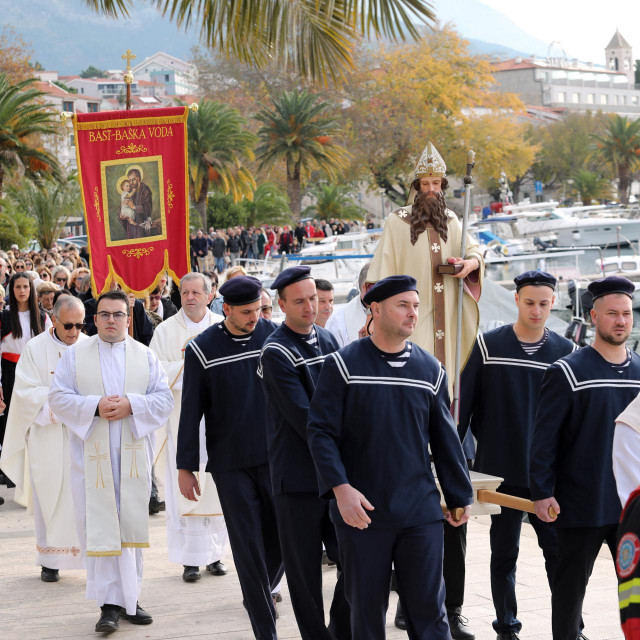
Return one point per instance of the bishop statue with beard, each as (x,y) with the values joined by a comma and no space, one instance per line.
(416,240)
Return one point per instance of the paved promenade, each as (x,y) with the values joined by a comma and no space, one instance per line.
(212,607)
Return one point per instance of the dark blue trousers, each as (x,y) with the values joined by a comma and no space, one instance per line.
(247,504)
(416,554)
(504,537)
(578,548)
(304,525)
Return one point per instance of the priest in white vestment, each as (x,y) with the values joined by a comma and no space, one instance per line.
(33,427)
(195,535)
(348,323)
(111,393)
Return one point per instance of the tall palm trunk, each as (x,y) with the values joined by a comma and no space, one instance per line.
(200,205)
(293,191)
(624,182)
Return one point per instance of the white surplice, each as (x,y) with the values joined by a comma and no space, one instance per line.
(110,579)
(32,427)
(194,540)
(345,323)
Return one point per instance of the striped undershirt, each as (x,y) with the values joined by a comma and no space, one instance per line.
(241,340)
(623,365)
(396,360)
(531,347)
(312,339)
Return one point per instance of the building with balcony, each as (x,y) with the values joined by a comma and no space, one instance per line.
(570,85)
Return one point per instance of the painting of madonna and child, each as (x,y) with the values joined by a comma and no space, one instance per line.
(133,196)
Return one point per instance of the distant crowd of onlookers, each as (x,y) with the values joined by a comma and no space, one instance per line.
(219,249)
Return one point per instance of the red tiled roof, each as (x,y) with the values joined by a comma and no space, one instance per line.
(509,65)
(55,90)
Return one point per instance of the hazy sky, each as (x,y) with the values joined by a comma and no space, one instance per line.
(583,27)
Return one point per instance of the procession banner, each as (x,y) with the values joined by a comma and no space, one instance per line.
(132,167)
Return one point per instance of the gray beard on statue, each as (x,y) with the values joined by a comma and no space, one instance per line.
(428,209)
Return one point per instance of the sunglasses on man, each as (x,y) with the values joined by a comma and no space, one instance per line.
(70,325)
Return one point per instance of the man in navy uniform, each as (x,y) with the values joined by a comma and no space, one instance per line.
(571,456)
(500,385)
(221,383)
(370,445)
(290,363)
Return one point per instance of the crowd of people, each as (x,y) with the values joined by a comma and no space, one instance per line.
(344,444)
(218,249)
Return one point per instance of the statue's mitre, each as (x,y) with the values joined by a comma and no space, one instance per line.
(430,164)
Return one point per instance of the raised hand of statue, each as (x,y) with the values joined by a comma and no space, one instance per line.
(470,266)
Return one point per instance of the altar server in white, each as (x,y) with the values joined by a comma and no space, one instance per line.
(348,323)
(33,427)
(111,393)
(196,536)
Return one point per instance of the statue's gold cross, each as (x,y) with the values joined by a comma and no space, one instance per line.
(128,56)
(133,447)
(98,460)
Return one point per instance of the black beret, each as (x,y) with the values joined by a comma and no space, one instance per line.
(535,279)
(611,284)
(291,275)
(241,290)
(390,286)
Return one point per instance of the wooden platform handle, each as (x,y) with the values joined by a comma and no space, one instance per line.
(512,502)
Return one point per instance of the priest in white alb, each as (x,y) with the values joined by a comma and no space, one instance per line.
(32,426)
(111,393)
(196,532)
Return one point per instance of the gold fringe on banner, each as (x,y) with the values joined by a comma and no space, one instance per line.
(135,122)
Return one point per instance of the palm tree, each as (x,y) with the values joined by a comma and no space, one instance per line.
(218,146)
(619,147)
(298,130)
(22,121)
(333,201)
(589,186)
(15,226)
(269,205)
(49,205)
(314,38)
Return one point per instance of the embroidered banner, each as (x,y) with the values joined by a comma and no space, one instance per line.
(132,167)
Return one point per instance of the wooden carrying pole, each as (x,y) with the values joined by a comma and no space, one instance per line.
(468,182)
(503,500)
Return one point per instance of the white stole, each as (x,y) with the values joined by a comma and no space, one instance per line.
(106,532)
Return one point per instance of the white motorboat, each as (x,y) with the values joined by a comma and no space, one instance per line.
(573,230)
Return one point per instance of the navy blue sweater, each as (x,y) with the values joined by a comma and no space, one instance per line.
(498,398)
(581,397)
(289,367)
(371,425)
(221,383)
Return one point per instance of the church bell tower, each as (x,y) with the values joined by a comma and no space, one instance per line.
(619,57)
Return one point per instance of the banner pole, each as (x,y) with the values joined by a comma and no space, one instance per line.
(128,77)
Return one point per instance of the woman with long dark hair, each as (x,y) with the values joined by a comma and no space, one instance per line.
(19,323)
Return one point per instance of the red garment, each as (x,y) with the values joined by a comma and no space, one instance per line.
(310,231)
(318,233)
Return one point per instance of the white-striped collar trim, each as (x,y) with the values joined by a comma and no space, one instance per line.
(214,362)
(596,382)
(387,380)
(295,360)
(514,362)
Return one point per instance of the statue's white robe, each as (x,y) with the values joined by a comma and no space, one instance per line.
(110,579)
(192,540)
(33,428)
